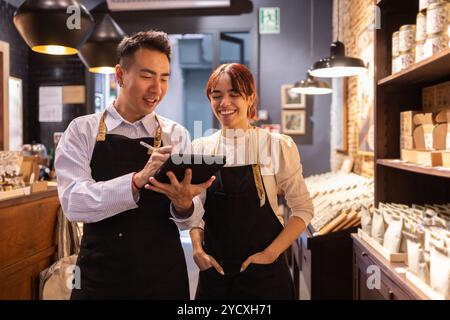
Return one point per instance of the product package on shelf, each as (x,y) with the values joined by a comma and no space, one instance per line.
(419,236)
(425,137)
(339,199)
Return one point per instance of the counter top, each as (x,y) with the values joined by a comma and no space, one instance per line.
(51,191)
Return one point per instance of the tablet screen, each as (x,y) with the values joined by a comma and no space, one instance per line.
(203,167)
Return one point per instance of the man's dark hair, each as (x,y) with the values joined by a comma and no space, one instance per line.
(152,39)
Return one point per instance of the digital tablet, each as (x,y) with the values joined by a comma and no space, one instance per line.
(203,167)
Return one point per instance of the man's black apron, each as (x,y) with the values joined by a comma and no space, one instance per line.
(236,227)
(136,254)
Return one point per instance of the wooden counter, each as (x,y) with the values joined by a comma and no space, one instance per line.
(27,242)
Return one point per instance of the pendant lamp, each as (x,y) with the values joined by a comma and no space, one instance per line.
(56,27)
(99,52)
(311,86)
(338,64)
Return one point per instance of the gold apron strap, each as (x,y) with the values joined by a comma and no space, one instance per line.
(101,135)
(255,168)
(257,171)
(158,136)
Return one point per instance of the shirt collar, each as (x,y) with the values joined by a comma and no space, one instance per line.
(115,119)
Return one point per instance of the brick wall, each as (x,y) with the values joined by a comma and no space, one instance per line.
(355,17)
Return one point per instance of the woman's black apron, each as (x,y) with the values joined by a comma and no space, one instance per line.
(236,227)
(136,254)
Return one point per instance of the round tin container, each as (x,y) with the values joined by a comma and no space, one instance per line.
(406,38)
(421,27)
(438,17)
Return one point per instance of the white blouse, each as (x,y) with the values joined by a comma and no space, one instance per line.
(280,168)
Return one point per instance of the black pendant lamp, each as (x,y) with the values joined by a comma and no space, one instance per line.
(338,64)
(99,51)
(56,27)
(311,86)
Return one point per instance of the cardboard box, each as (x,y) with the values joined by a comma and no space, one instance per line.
(428,99)
(446,159)
(442,116)
(429,158)
(443,96)
(423,137)
(406,142)
(441,136)
(423,118)
(407,127)
(408,155)
(39,186)
(436,98)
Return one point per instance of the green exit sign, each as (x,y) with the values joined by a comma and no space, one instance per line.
(269,20)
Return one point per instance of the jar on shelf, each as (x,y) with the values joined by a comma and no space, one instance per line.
(421,27)
(395,44)
(407,38)
(406,59)
(395,51)
(420,51)
(436,43)
(438,17)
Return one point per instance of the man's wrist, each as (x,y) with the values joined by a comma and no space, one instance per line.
(184,210)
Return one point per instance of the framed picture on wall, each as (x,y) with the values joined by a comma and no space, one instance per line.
(293,122)
(291,100)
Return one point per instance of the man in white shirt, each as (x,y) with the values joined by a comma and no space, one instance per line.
(130,246)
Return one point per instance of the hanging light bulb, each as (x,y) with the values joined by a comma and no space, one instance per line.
(56,27)
(311,86)
(338,64)
(99,51)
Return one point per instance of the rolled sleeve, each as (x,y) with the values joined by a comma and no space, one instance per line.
(194,220)
(290,180)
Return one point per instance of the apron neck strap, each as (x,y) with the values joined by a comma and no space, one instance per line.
(255,167)
(102,130)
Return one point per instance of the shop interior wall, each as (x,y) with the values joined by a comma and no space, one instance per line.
(355,16)
(275,59)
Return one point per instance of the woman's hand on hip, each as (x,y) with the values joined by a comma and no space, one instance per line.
(263,257)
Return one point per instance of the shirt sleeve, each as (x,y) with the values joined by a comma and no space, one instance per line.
(82,198)
(290,180)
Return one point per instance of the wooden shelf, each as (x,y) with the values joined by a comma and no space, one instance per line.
(427,71)
(399,164)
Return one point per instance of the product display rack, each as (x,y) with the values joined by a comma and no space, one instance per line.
(397,181)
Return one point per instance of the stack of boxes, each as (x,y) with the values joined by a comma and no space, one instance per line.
(425,137)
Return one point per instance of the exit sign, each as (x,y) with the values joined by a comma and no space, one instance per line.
(269,20)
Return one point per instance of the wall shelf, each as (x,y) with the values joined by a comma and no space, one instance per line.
(423,73)
(401,165)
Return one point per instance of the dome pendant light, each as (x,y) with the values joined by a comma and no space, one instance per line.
(56,27)
(338,64)
(99,51)
(311,86)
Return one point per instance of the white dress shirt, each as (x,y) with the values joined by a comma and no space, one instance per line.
(280,169)
(85,200)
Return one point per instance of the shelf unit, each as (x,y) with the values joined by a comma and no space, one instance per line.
(396,181)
